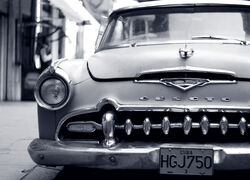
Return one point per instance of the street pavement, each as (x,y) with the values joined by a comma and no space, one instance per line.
(18,126)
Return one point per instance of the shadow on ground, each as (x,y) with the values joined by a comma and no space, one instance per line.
(89,174)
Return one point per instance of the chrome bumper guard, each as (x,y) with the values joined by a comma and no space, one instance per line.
(136,155)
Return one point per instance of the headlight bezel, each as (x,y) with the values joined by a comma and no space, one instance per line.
(60,75)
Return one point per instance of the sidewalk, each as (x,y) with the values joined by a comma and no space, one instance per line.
(18,123)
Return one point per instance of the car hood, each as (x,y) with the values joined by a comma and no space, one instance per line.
(133,61)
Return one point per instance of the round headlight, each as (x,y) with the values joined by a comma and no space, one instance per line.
(53,91)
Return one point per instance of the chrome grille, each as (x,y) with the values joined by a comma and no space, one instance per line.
(187,125)
(158,126)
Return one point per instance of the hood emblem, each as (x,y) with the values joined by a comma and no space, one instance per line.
(186,52)
(186,83)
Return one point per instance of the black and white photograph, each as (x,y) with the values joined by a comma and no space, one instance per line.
(124,89)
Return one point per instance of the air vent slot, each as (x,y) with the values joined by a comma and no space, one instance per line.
(203,75)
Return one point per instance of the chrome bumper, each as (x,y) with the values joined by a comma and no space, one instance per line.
(137,155)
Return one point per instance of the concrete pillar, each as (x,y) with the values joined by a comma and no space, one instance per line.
(55,44)
(3,58)
(14,74)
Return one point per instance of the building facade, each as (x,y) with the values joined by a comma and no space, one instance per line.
(15,48)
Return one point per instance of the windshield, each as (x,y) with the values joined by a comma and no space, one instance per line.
(177,24)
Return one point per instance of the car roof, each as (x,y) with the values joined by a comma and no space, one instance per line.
(181,3)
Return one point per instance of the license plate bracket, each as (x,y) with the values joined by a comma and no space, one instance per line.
(186,161)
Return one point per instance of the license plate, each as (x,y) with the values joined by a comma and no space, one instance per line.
(186,161)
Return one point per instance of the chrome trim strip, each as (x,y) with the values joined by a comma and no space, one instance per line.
(214,125)
(156,126)
(95,125)
(176,125)
(196,125)
(183,108)
(187,69)
(120,126)
(63,74)
(181,3)
(56,63)
(233,126)
(138,126)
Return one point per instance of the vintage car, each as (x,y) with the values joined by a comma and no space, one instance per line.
(168,89)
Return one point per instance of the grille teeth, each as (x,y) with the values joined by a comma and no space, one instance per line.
(146,126)
(108,127)
(128,126)
(165,125)
(204,125)
(224,125)
(187,125)
(243,126)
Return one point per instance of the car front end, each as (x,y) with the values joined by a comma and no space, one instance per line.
(163,91)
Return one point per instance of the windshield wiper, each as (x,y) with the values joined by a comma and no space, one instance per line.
(242,42)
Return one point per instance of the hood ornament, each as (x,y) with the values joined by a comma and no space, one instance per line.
(186,52)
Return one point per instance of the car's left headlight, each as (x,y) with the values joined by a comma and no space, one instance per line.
(52,91)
